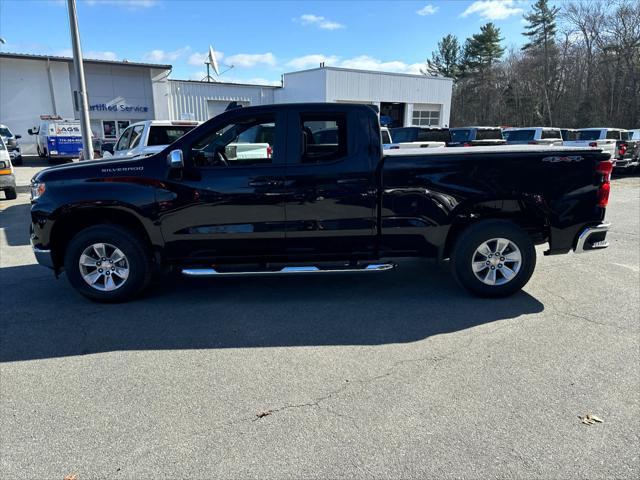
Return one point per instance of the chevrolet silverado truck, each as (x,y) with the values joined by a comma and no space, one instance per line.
(311,207)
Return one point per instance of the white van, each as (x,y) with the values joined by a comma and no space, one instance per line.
(57,138)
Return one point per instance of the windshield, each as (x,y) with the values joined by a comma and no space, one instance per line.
(518,135)
(460,135)
(2,147)
(166,135)
(5,133)
(588,135)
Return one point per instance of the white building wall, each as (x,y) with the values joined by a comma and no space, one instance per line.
(187,98)
(304,86)
(25,94)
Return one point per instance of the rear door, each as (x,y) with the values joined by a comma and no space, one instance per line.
(331,191)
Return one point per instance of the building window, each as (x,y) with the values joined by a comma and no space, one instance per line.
(424,116)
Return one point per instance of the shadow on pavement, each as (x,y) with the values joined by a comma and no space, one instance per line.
(14,220)
(45,318)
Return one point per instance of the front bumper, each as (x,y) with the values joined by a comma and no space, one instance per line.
(43,257)
(624,164)
(7,181)
(592,238)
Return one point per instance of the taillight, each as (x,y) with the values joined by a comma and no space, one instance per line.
(593,144)
(622,149)
(269,151)
(467,144)
(533,142)
(604,168)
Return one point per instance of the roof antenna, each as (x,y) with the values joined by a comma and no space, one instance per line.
(212,61)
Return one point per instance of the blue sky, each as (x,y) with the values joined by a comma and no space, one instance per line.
(262,39)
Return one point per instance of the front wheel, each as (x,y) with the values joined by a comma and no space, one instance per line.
(10,194)
(493,258)
(108,263)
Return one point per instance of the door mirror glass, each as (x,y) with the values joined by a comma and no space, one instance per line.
(174,159)
(18,137)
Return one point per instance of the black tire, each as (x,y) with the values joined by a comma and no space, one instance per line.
(40,152)
(464,254)
(134,248)
(18,160)
(10,194)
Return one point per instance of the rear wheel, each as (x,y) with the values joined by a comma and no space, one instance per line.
(108,263)
(493,258)
(10,194)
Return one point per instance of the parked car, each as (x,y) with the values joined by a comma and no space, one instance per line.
(315,207)
(533,136)
(7,178)
(476,137)
(420,137)
(149,137)
(613,141)
(11,142)
(628,155)
(569,134)
(57,138)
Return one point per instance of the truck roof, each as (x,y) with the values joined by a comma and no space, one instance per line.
(488,149)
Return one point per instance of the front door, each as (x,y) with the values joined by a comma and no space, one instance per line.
(229,203)
(331,192)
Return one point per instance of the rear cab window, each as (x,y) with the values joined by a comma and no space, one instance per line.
(489,134)
(518,135)
(404,135)
(551,134)
(613,134)
(460,134)
(434,135)
(588,135)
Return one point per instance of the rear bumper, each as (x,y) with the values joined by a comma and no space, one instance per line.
(592,238)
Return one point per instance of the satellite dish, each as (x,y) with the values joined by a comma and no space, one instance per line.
(213,61)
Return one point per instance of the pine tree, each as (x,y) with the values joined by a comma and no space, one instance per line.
(445,60)
(541,28)
(541,31)
(483,49)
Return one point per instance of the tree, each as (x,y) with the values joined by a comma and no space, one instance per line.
(541,32)
(445,60)
(483,49)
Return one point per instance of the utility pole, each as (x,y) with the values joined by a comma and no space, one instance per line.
(87,143)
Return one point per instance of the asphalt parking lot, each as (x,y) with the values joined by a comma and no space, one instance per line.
(390,375)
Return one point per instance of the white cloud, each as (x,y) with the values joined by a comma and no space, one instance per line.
(493,9)
(164,56)
(318,21)
(428,9)
(313,60)
(362,62)
(248,60)
(125,3)
(100,55)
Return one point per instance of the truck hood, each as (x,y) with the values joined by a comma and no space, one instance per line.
(92,169)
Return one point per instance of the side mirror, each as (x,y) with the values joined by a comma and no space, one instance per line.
(30,131)
(18,137)
(174,159)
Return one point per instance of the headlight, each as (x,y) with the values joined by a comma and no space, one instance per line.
(37,190)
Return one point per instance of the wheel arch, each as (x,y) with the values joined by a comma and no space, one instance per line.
(71,221)
(529,217)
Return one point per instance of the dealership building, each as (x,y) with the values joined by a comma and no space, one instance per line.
(121,93)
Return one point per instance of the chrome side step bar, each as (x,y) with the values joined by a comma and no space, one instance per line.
(212,272)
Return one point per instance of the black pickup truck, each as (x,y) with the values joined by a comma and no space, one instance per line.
(212,205)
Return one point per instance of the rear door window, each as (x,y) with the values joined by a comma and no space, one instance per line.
(613,134)
(551,134)
(323,137)
(166,134)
